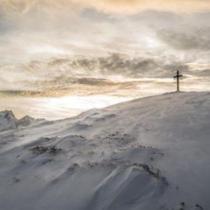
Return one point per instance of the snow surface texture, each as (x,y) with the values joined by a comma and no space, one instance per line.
(147,154)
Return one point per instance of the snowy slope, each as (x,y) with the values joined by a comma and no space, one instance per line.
(147,154)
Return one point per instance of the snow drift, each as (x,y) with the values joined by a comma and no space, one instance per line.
(147,154)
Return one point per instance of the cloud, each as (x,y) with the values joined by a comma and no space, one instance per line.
(132,6)
(161,41)
(62,73)
(194,39)
(110,6)
(115,74)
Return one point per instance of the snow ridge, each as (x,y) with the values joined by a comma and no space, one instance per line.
(147,154)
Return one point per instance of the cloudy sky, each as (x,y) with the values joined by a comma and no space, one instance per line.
(122,48)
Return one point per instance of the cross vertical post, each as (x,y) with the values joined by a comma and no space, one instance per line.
(177,77)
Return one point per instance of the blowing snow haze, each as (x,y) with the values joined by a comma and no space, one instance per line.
(113,48)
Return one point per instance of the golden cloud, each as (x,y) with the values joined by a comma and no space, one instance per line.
(110,6)
(133,6)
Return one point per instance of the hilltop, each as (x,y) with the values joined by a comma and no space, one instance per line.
(146,154)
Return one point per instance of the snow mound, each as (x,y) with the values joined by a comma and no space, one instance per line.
(147,154)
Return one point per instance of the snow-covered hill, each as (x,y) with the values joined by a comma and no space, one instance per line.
(147,154)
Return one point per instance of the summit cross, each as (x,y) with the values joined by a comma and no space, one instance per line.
(177,77)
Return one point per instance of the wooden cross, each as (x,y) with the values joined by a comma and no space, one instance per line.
(177,77)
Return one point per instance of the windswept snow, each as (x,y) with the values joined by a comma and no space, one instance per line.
(147,154)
